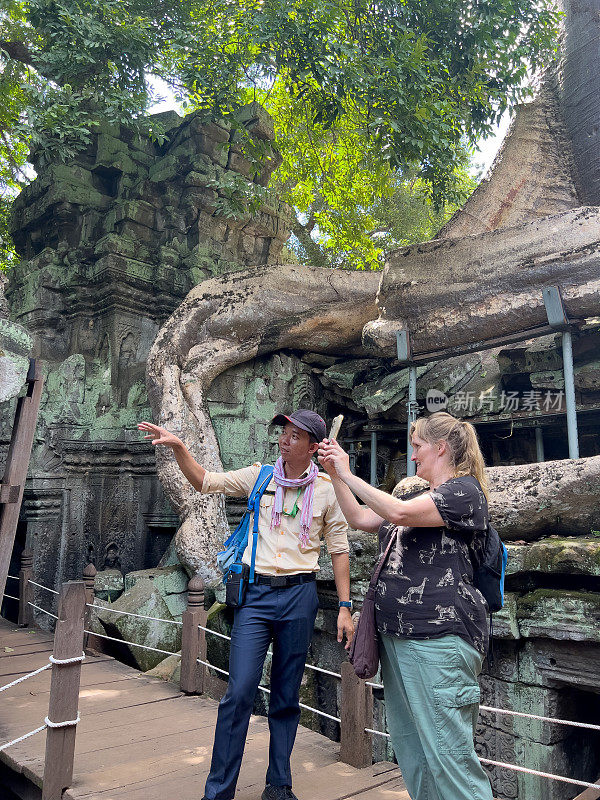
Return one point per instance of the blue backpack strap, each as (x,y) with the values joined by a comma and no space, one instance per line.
(263,480)
(258,488)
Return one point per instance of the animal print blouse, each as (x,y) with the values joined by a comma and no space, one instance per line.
(426,590)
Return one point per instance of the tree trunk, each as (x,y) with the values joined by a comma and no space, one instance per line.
(529,501)
(227,321)
(450,293)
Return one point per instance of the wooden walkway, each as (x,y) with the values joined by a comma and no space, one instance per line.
(140,738)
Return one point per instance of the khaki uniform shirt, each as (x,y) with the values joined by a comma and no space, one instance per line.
(279,551)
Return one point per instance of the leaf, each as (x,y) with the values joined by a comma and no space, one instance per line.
(363,94)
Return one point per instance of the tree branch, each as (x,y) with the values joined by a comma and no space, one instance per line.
(18,169)
(314,251)
(18,51)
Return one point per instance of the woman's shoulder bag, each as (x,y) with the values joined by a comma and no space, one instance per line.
(364,650)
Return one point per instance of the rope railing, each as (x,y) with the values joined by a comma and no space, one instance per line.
(43,610)
(378,733)
(307,708)
(320,713)
(215,633)
(266,690)
(13,577)
(324,671)
(41,586)
(212,666)
(510,712)
(540,774)
(11,597)
(515,767)
(307,666)
(25,677)
(588,725)
(22,738)
(48,723)
(132,644)
(130,614)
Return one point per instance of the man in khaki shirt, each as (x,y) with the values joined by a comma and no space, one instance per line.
(281,605)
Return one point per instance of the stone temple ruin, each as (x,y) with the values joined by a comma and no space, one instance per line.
(110,244)
(134,275)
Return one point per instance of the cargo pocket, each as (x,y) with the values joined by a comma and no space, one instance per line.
(456,710)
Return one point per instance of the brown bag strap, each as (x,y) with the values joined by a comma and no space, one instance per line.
(384,555)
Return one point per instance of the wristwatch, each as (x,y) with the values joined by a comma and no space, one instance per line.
(346,604)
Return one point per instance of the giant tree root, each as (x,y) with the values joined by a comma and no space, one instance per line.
(227,321)
(449,293)
(230,320)
(554,497)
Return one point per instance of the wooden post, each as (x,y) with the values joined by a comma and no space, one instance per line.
(356,714)
(26,589)
(17,463)
(64,691)
(91,644)
(589,794)
(193,640)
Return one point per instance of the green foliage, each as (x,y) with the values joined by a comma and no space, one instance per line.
(421,74)
(237,197)
(352,205)
(376,102)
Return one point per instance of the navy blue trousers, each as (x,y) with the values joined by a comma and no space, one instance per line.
(285,617)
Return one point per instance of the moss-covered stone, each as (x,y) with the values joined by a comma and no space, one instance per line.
(167,670)
(380,395)
(16,347)
(108,584)
(505,620)
(143,598)
(576,555)
(559,614)
(170,582)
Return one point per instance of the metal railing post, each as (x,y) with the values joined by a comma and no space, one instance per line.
(573,440)
(411,415)
(539,444)
(373,479)
(559,320)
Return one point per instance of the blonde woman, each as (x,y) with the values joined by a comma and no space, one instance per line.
(431,620)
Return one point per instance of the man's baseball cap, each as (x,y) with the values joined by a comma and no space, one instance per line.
(308,421)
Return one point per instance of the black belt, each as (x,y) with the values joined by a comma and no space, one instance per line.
(281,581)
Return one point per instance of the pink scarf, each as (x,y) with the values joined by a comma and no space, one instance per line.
(307,503)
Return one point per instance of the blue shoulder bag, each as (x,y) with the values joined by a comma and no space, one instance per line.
(236,575)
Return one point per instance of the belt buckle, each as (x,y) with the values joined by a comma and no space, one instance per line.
(278,581)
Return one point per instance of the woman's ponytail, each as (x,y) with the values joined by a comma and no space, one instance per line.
(466,457)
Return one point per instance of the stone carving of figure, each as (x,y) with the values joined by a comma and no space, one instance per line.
(111,557)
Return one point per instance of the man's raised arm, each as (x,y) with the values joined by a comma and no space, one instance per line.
(193,471)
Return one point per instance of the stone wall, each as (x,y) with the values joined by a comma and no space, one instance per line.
(244,399)
(110,243)
(547,663)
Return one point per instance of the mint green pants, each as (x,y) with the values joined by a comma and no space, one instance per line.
(432,702)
